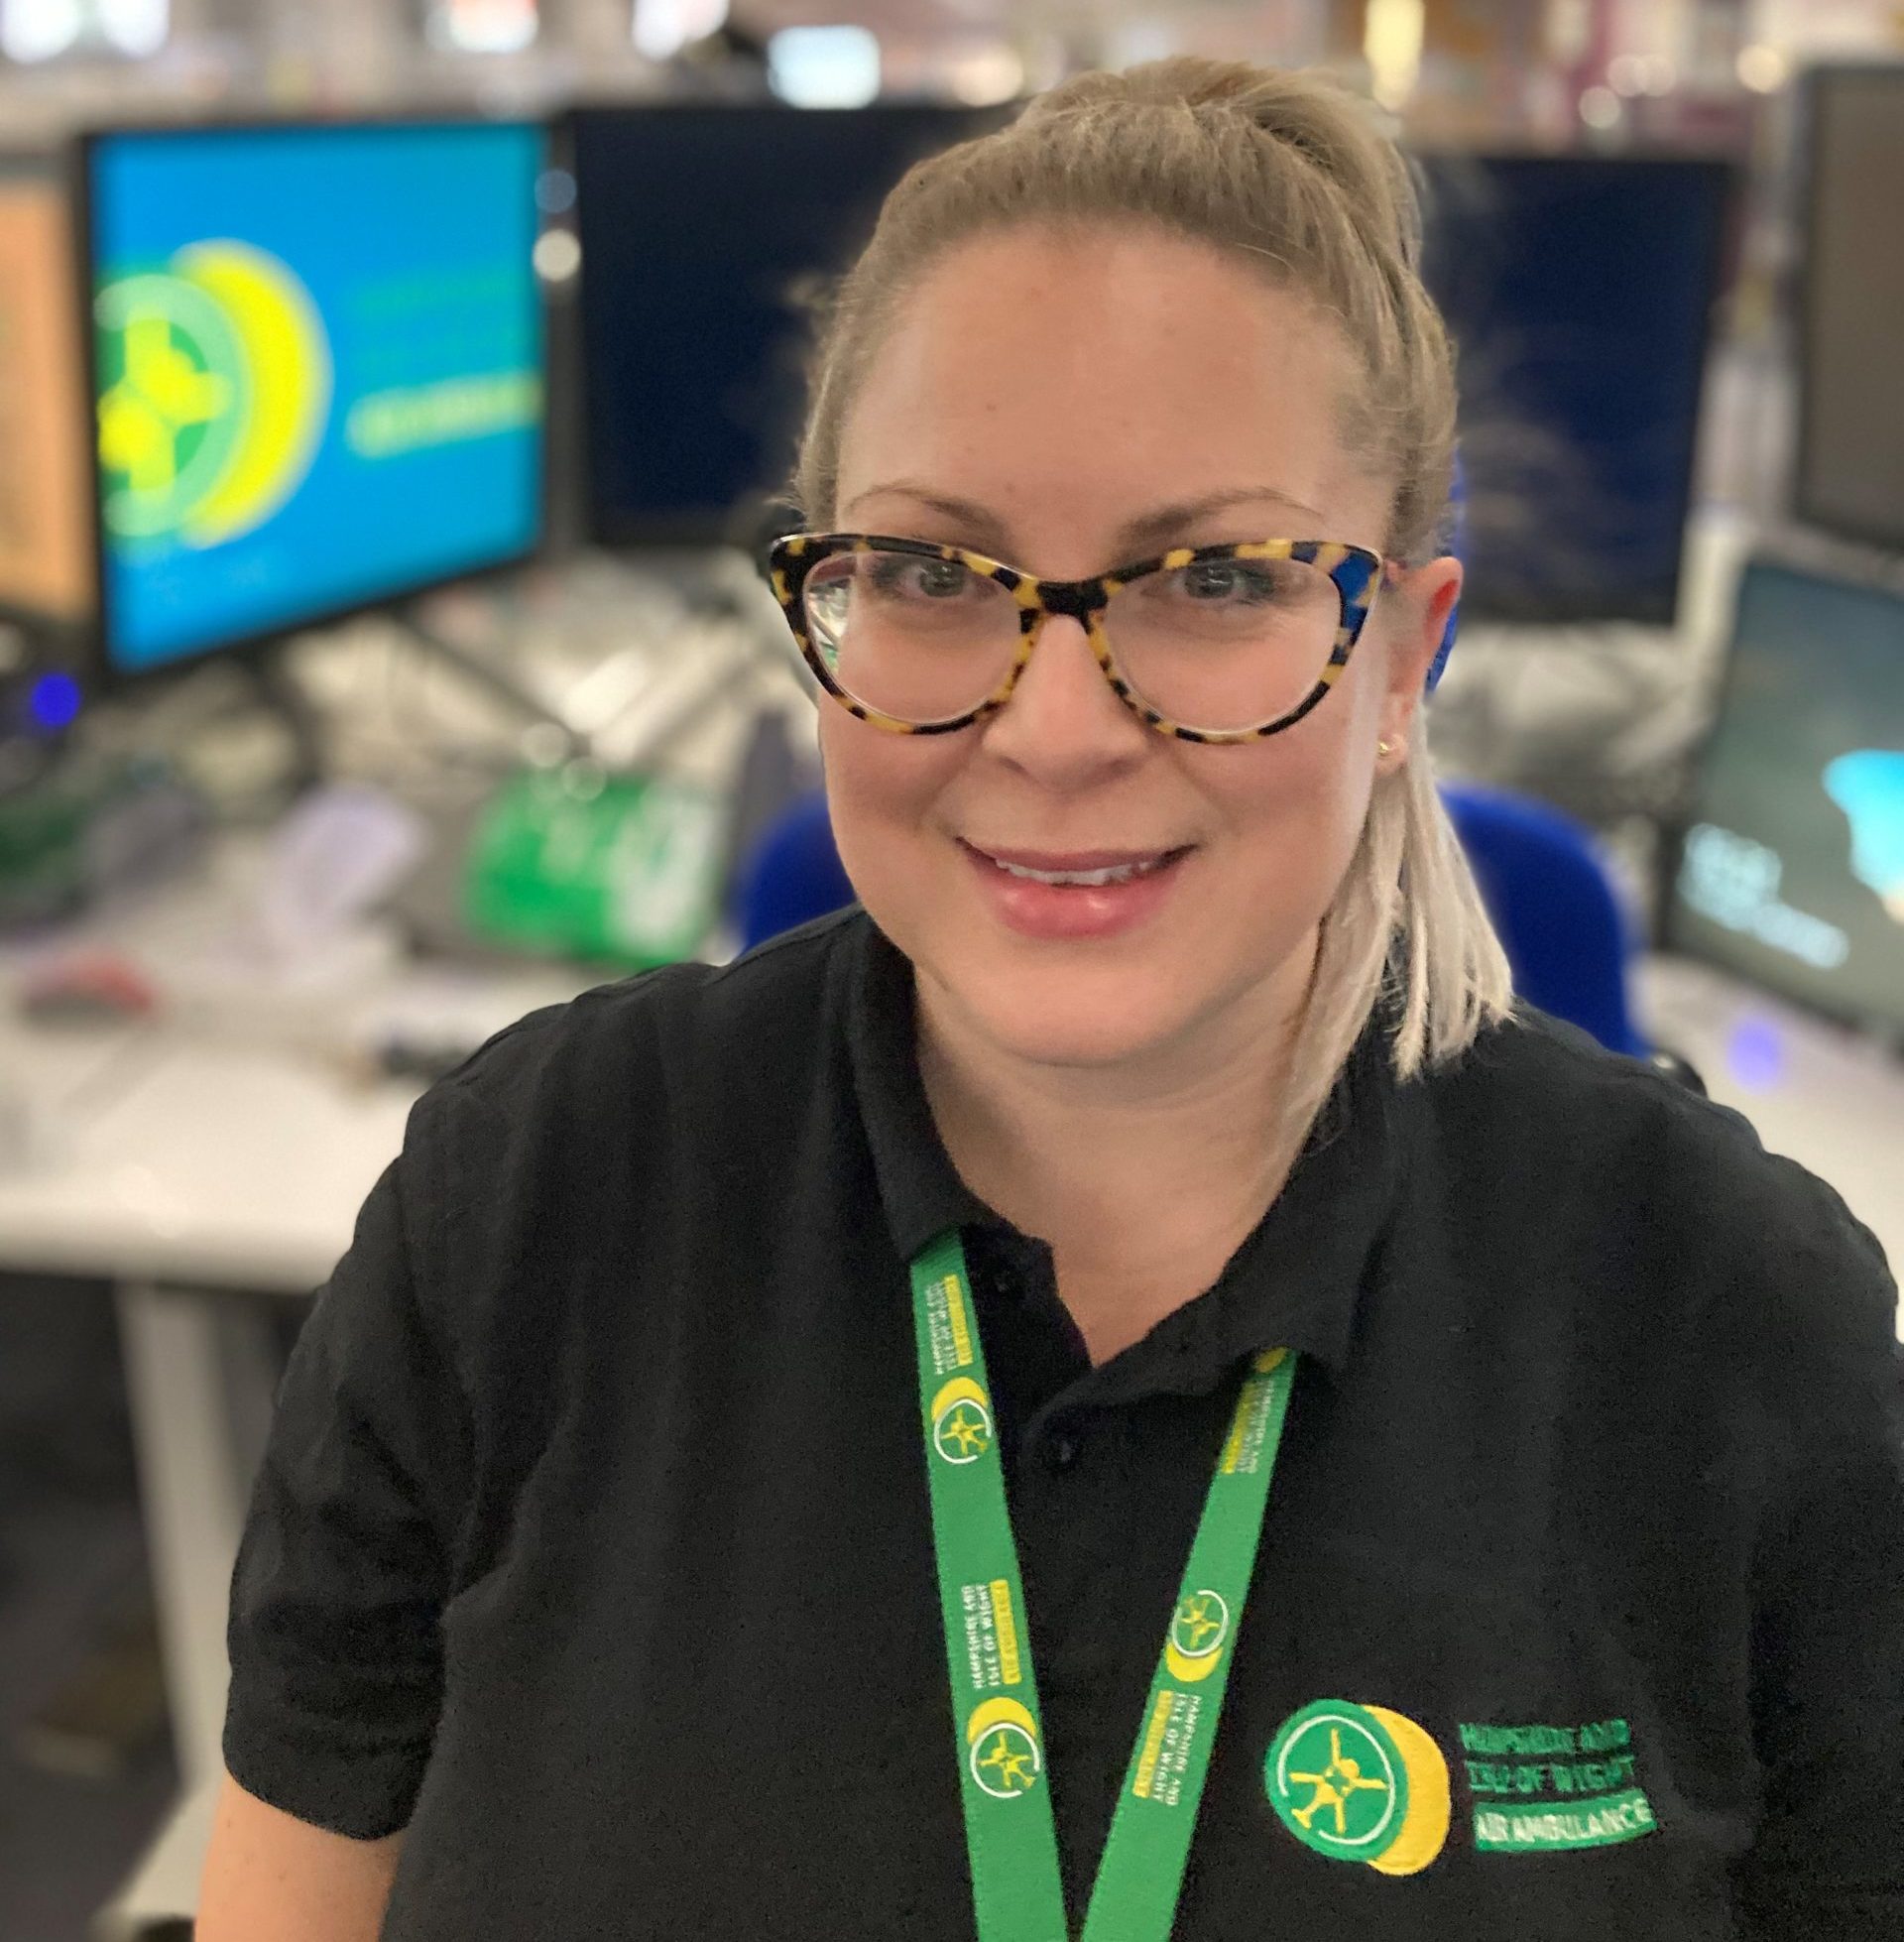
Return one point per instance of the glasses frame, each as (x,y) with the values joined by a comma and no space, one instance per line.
(1357,573)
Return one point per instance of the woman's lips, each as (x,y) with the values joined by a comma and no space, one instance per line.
(1074,893)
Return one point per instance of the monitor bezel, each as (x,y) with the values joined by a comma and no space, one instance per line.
(1721,269)
(104,675)
(1814,81)
(661,532)
(1670,936)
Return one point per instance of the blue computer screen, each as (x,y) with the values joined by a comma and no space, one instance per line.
(320,371)
(1792,868)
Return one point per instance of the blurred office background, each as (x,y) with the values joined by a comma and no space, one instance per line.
(394,396)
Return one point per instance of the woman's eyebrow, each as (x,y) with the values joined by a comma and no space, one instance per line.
(1168,524)
(983,531)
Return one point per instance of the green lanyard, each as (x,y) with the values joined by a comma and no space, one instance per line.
(1016,1892)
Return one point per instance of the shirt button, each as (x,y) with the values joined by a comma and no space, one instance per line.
(1063,1451)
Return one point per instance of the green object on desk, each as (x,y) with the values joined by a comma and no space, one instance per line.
(621,868)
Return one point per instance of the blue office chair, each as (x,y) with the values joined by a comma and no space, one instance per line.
(792,875)
(1554,909)
(1545,887)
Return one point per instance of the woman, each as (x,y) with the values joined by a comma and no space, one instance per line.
(1161,1129)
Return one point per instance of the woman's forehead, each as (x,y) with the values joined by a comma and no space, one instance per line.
(1113,375)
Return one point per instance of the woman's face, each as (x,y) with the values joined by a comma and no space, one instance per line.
(1069,405)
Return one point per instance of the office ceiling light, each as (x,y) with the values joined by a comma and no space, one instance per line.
(1763,68)
(557,256)
(1392,42)
(135,27)
(985,74)
(484,26)
(662,28)
(1599,107)
(37,30)
(824,67)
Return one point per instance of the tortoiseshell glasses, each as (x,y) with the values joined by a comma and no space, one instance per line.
(1209,644)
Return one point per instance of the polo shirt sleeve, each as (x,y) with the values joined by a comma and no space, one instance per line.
(346,1560)
(1828,1597)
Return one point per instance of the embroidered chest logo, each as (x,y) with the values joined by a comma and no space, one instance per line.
(1359,1783)
(1539,1790)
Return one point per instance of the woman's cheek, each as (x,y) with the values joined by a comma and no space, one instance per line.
(881,789)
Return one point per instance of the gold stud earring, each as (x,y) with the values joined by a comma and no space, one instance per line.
(1384,748)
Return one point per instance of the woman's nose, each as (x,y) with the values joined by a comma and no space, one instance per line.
(1063,722)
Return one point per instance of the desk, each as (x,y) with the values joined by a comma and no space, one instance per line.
(191,1174)
(1823,1095)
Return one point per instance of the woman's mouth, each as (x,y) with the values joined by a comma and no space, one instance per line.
(1075,894)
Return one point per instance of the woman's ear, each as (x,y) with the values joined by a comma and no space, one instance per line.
(1422,602)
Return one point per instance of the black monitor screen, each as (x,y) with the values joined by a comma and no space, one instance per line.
(1579,291)
(1850,468)
(1792,869)
(706,230)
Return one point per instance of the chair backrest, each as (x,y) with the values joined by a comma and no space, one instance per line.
(793,874)
(1544,885)
(1554,906)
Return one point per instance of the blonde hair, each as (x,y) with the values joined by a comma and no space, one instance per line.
(1291,172)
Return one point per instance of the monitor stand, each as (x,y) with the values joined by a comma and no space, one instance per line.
(476,667)
(279,690)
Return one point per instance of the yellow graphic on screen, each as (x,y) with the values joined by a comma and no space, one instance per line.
(215,379)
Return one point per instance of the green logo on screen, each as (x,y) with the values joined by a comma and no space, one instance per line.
(214,382)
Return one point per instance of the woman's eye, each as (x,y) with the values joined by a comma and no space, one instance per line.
(1224,580)
(931,579)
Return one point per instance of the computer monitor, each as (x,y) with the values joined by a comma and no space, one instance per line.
(1791,869)
(1580,291)
(318,359)
(706,230)
(1851,389)
(46,539)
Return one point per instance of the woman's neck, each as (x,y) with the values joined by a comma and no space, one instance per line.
(1145,1176)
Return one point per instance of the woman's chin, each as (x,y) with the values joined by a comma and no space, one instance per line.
(1055,1018)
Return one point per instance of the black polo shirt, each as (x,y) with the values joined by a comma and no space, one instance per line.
(593,1541)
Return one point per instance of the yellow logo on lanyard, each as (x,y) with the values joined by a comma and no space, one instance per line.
(962,1429)
(1004,1741)
(1198,1633)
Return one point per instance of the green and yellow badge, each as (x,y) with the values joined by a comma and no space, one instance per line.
(1360,1783)
(1198,1633)
(961,1422)
(1003,1739)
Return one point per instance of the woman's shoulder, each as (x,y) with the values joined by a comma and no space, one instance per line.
(1592,1148)
(655,1055)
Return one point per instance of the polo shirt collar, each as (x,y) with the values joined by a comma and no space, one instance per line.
(1296,1280)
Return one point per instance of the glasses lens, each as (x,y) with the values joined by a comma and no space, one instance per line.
(1225,643)
(920,638)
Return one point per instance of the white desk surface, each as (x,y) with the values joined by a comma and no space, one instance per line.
(192,1163)
(1820,1094)
(232,1145)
